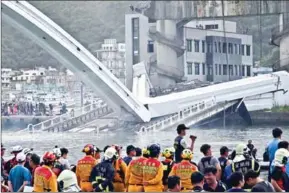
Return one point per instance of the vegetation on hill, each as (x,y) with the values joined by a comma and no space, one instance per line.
(92,21)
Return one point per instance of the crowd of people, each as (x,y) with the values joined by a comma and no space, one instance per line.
(29,109)
(142,170)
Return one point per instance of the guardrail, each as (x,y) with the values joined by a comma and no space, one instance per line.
(58,119)
(178,117)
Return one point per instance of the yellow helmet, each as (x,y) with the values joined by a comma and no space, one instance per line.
(168,152)
(145,152)
(187,154)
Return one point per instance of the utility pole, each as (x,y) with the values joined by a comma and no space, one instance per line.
(81,94)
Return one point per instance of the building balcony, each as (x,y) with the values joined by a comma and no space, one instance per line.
(276,34)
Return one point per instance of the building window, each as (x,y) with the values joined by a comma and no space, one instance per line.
(243,70)
(189,45)
(231,72)
(248,70)
(220,69)
(150,46)
(236,70)
(197,68)
(224,47)
(230,48)
(211,26)
(197,45)
(216,69)
(248,50)
(239,45)
(216,47)
(243,49)
(220,47)
(210,70)
(209,47)
(189,67)
(204,68)
(135,40)
(225,69)
(203,46)
(236,48)
(240,70)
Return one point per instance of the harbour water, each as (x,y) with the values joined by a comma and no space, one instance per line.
(216,137)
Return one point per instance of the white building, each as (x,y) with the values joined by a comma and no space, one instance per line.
(214,55)
(6,74)
(112,55)
(210,54)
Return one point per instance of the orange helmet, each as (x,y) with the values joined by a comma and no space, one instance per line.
(49,156)
(89,148)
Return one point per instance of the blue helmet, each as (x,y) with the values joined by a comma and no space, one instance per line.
(154,150)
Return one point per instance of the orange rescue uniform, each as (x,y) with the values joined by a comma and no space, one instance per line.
(184,170)
(119,175)
(134,175)
(83,170)
(44,180)
(153,175)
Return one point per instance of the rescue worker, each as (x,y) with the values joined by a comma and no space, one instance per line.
(58,166)
(184,170)
(67,182)
(13,162)
(84,167)
(97,152)
(134,173)
(223,159)
(45,179)
(279,177)
(102,174)
(168,163)
(145,152)
(120,169)
(242,162)
(180,143)
(153,171)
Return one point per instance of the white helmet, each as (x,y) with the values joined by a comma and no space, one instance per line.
(110,153)
(17,148)
(57,151)
(241,149)
(27,150)
(67,179)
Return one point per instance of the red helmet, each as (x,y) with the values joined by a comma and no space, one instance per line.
(49,156)
(89,148)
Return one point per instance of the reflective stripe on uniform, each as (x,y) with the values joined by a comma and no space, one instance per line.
(97,178)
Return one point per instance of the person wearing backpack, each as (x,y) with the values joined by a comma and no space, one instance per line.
(209,160)
(224,152)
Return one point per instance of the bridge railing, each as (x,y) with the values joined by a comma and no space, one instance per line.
(178,117)
(58,119)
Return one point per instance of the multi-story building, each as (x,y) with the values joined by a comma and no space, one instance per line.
(112,55)
(213,50)
(6,74)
